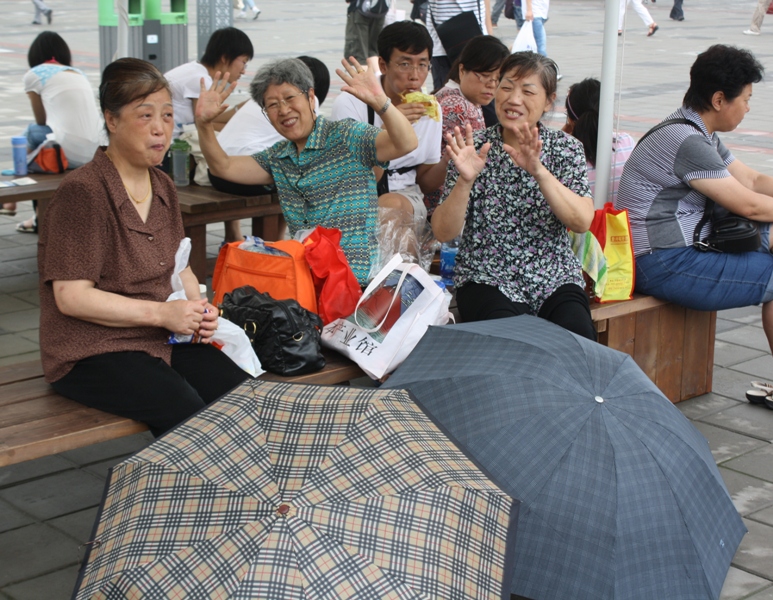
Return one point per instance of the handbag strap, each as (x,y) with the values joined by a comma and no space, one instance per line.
(432,17)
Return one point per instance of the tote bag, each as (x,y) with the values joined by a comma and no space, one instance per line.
(457,31)
(613,232)
(524,41)
(390,319)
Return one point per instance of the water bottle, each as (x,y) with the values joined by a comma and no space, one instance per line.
(448,251)
(180,151)
(19,143)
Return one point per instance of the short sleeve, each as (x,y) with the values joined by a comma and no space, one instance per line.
(572,168)
(193,85)
(76,227)
(360,138)
(697,158)
(263,158)
(32,82)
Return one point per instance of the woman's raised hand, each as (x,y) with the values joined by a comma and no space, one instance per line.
(461,150)
(360,83)
(527,156)
(210,103)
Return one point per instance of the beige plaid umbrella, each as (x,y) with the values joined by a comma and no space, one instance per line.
(301,491)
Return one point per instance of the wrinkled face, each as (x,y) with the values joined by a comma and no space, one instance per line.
(521,100)
(142,131)
(235,68)
(290,111)
(404,72)
(732,112)
(478,88)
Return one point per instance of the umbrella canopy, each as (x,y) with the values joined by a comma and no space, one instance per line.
(620,495)
(282,491)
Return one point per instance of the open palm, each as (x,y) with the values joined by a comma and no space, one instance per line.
(469,162)
(211,101)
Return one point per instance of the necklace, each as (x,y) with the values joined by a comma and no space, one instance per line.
(131,196)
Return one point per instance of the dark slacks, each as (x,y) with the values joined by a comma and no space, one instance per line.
(144,388)
(568,307)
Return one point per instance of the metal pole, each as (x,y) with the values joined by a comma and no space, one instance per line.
(607,102)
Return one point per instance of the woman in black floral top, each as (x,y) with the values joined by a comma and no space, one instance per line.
(516,187)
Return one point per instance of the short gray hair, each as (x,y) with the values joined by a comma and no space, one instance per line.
(288,70)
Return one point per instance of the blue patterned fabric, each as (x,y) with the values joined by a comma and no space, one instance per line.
(621,497)
(330,183)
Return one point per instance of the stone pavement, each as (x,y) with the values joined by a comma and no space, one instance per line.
(47,506)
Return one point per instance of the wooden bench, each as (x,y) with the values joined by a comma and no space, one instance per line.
(35,421)
(673,345)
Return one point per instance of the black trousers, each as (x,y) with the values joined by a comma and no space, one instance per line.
(144,388)
(568,307)
(239,189)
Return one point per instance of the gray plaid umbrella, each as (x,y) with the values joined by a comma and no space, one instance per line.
(621,497)
(281,491)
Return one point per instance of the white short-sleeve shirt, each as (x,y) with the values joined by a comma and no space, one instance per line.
(185,83)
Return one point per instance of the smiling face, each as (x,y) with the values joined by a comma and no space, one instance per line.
(478,88)
(521,100)
(404,72)
(142,131)
(290,111)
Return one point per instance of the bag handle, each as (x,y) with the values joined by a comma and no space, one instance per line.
(393,263)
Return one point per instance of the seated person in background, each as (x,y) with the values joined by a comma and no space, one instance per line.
(62,102)
(106,256)
(228,51)
(405,49)
(471,84)
(323,172)
(250,131)
(516,188)
(582,121)
(671,174)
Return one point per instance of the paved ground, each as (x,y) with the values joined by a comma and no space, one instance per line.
(47,506)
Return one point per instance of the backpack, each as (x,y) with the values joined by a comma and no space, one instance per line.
(374,9)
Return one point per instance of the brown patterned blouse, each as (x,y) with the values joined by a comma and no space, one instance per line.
(92,231)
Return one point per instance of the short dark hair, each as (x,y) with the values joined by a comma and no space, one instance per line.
(228,43)
(405,36)
(321,76)
(724,69)
(582,107)
(482,53)
(526,63)
(127,80)
(49,45)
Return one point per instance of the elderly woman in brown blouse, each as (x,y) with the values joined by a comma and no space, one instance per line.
(106,257)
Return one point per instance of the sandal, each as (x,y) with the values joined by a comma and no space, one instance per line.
(653,28)
(7,212)
(756,396)
(25,227)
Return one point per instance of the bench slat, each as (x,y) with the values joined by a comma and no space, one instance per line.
(21,372)
(24,391)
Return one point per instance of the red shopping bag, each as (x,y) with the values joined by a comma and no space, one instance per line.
(335,284)
(613,231)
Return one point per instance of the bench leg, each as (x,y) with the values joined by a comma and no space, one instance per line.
(198,260)
(268,228)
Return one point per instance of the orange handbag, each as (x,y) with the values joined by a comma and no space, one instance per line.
(280,276)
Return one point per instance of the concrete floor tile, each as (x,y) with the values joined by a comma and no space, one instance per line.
(31,296)
(58,585)
(755,554)
(21,320)
(739,584)
(726,445)
(700,406)
(33,469)
(12,518)
(748,419)
(766,594)
(78,525)
(8,269)
(749,494)
(750,337)
(757,463)
(731,383)
(9,304)
(759,368)
(19,283)
(56,495)
(740,314)
(121,447)
(765,515)
(727,325)
(102,469)
(33,551)
(12,344)
(728,355)
(19,252)
(19,358)
(31,335)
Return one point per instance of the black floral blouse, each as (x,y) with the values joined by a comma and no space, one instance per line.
(511,238)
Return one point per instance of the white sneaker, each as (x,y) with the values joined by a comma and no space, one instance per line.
(241,15)
(256,10)
(750,32)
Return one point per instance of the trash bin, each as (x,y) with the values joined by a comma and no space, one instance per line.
(108,30)
(174,35)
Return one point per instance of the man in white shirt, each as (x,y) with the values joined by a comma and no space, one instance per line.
(405,50)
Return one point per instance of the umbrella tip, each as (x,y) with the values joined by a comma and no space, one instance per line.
(599,399)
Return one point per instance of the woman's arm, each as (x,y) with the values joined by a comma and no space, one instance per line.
(37,107)
(573,210)
(448,218)
(754,180)
(239,169)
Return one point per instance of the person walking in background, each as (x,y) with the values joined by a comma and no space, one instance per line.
(42,10)
(361,36)
(251,5)
(496,12)
(643,13)
(677,14)
(759,13)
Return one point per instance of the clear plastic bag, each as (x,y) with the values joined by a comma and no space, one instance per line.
(399,233)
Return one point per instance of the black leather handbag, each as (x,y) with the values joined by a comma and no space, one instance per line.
(285,335)
(729,232)
(457,31)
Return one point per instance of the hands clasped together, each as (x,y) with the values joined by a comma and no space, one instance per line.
(187,317)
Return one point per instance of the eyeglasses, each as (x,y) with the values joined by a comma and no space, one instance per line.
(486,80)
(406,67)
(273,107)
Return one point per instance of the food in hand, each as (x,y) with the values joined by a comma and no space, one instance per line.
(431,106)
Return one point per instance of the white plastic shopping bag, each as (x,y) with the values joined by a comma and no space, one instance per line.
(229,337)
(391,317)
(524,41)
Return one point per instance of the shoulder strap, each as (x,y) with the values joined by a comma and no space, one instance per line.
(666,123)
